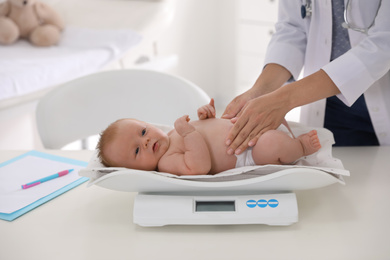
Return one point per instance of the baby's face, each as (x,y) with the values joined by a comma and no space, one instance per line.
(137,145)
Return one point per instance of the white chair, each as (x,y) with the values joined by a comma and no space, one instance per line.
(86,106)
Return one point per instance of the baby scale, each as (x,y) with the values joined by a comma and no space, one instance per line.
(245,195)
(184,209)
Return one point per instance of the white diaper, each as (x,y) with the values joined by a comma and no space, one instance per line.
(245,158)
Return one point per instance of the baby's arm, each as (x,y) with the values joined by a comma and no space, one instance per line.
(194,158)
(207,111)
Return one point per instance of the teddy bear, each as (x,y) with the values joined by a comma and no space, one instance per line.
(29,19)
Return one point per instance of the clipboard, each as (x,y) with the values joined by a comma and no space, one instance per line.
(15,201)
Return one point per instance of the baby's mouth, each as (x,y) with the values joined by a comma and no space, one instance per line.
(155,146)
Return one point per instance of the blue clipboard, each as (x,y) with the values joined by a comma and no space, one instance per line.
(20,212)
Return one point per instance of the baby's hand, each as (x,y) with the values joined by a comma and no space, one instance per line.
(182,126)
(207,111)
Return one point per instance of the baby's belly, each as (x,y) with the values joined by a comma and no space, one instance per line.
(214,132)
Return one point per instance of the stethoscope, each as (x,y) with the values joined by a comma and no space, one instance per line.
(306,11)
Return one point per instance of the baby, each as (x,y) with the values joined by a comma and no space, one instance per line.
(195,148)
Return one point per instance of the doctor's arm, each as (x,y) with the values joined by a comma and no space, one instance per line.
(284,59)
(194,158)
(366,62)
(271,78)
(267,111)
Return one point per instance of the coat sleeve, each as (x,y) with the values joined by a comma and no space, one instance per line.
(288,44)
(366,62)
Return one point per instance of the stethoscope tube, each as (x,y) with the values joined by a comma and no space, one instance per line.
(306,11)
(346,24)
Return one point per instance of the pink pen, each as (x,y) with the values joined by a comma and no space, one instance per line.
(48,178)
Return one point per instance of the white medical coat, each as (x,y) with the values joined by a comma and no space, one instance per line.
(365,68)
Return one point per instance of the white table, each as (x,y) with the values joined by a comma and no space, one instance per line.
(335,222)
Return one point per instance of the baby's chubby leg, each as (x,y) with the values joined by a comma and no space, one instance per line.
(276,147)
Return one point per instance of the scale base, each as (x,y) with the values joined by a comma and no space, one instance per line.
(151,210)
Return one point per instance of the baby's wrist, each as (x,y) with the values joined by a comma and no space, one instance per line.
(187,132)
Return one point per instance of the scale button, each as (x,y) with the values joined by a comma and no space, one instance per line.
(251,203)
(273,203)
(262,203)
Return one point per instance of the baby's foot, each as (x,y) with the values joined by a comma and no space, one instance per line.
(310,142)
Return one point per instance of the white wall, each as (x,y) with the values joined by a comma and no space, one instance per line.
(202,35)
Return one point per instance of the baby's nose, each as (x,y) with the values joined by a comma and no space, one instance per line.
(147,141)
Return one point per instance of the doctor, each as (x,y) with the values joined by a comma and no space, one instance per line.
(346,83)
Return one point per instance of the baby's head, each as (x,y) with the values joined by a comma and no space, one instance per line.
(132,144)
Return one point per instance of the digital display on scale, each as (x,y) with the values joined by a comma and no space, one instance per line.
(215,206)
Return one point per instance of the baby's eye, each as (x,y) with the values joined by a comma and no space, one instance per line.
(143,132)
(137,150)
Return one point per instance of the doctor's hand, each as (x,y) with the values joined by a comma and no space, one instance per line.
(207,111)
(236,105)
(257,116)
